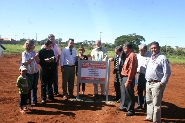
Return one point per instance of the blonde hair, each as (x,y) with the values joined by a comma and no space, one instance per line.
(27,44)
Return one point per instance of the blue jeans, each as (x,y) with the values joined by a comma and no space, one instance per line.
(34,82)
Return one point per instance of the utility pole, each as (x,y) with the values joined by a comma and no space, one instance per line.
(36,37)
(100,36)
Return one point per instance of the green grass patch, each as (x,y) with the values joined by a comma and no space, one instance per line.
(18,49)
(178,60)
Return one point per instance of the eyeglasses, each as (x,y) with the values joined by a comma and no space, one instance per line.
(70,51)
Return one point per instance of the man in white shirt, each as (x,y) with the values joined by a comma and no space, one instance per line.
(143,59)
(99,54)
(67,63)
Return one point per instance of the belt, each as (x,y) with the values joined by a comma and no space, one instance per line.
(124,76)
(69,65)
(153,81)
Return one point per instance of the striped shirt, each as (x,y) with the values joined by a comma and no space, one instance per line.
(158,69)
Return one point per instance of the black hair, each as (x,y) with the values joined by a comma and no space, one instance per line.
(128,45)
(155,43)
(119,48)
(48,42)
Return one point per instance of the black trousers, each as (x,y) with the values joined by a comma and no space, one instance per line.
(117,81)
(127,95)
(141,89)
(46,77)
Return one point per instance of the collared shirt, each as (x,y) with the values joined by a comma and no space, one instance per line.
(143,61)
(67,58)
(119,57)
(99,54)
(158,69)
(130,66)
(55,49)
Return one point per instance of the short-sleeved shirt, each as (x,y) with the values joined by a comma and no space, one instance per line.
(33,66)
(143,61)
(99,54)
(23,82)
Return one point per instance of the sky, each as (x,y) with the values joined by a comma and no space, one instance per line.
(156,20)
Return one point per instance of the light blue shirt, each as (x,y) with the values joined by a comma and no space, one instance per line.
(158,69)
(67,58)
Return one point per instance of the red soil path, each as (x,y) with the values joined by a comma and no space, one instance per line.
(173,105)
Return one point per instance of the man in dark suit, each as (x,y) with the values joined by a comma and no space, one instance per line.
(119,59)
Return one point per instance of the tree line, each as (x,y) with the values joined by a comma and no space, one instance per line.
(132,38)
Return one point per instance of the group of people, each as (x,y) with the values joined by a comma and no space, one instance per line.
(152,69)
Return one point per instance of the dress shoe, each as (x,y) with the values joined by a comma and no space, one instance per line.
(95,95)
(118,101)
(124,109)
(72,97)
(129,114)
(139,107)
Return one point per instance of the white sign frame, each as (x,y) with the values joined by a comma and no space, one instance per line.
(107,75)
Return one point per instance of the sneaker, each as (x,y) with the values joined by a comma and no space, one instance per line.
(65,97)
(43,101)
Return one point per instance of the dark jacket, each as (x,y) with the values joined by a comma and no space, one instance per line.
(123,57)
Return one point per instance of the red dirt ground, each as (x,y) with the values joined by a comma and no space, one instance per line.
(173,105)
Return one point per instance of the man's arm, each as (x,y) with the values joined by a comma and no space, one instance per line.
(62,60)
(166,70)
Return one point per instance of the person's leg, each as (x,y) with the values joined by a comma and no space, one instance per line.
(23,102)
(117,80)
(71,81)
(79,86)
(43,78)
(95,89)
(34,88)
(65,78)
(102,89)
(129,95)
(149,101)
(157,92)
(49,84)
(55,79)
(141,88)
(83,87)
(122,100)
(31,78)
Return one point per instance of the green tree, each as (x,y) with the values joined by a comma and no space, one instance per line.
(132,38)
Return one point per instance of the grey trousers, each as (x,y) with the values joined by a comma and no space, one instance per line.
(127,95)
(154,94)
(68,76)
